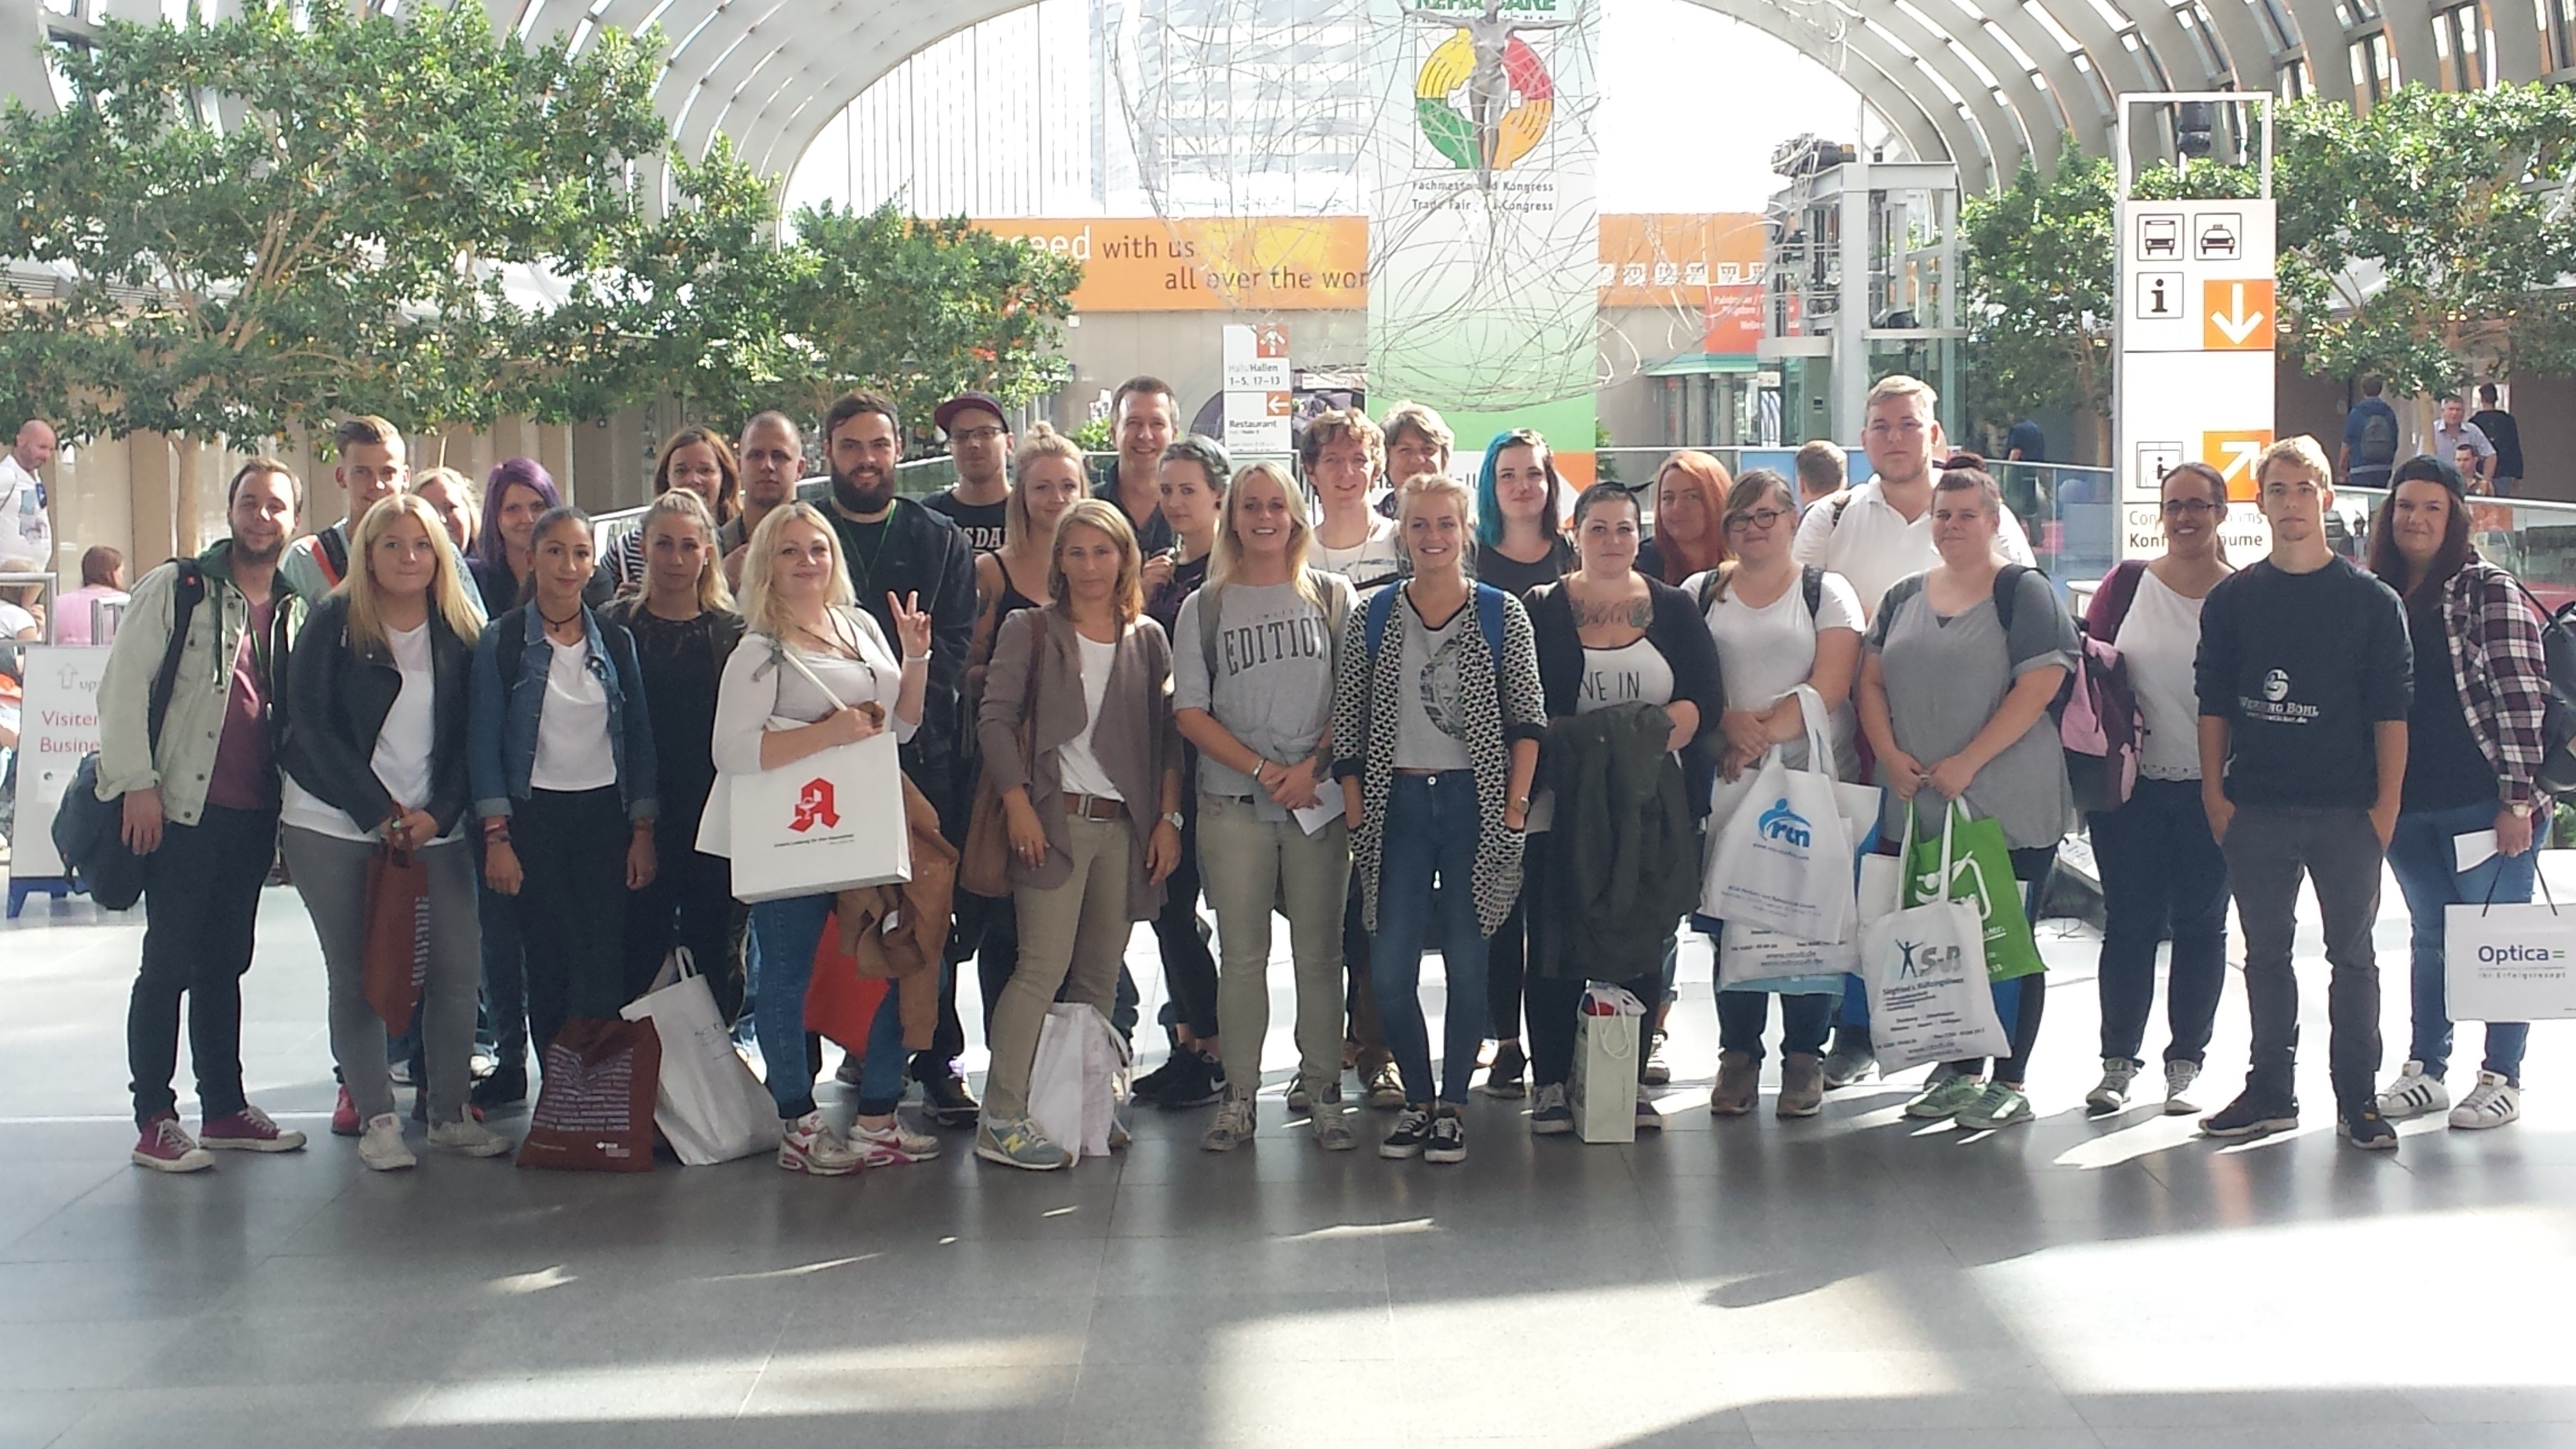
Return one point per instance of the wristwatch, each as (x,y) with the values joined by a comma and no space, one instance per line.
(2520,810)
(1173,819)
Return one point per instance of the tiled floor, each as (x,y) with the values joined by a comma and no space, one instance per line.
(1849,1281)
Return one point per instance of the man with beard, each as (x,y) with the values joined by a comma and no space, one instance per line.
(772,454)
(898,549)
(195,764)
(979,443)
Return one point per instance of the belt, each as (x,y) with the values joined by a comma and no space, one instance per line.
(1078,806)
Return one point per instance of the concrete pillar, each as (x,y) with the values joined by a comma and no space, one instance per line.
(150,493)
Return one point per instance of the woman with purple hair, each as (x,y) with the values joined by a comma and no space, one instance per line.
(517,494)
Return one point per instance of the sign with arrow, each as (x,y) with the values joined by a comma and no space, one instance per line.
(2236,313)
(2195,356)
(2233,455)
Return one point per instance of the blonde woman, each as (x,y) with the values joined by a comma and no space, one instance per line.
(1093,803)
(812,656)
(377,687)
(1252,683)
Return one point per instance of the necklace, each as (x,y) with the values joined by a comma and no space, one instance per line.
(554,623)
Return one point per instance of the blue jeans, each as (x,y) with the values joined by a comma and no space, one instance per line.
(2160,866)
(788,931)
(2420,854)
(1424,871)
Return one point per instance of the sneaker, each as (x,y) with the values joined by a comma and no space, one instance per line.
(2178,1079)
(1802,1085)
(344,1116)
(1648,1118)
(847,1073)
(481,1064)
(165,1146)
(1333,1127)
(1017,1142)
(1197,1084)
(1739,1084)
(1233,1127)
(1385,1088)
(947,1103)
(810,1145)
(381,1146)
(467,1137)
(1657,1071)
(1150,1087)
(1849,1064)
(400,1072)
(2252,1114)
(2112,1094)
(1412,1133)
(1506,1077)
(420,1106)
(2368,1129)
(892,1145)
(2413,1094)
(1448,1137)
(506,1087)
(1551,1114)
(248,1130)
(1946,1093)
(1996,1106)
(1302,1095)
(2491,1103)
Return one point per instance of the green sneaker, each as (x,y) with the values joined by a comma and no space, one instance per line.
(1996,1106)
(1945,1094)
(1017,1142)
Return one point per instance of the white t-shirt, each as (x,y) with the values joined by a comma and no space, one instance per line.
(572,726)
(1764,653)
(24,531)
(403,746)
(2159,639)
(1374,560)
(14,620)
(1634,673)
(1874,546)
(1082,772)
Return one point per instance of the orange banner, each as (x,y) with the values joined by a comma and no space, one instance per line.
(1658,259)
(1214,264)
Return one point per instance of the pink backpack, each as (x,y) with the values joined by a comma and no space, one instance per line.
(2099,724)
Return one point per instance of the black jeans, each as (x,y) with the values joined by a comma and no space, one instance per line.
(2024,999)
(1189,968)
(572,906)
(2160,869)
(1804,1020)
(201,907)
(1506,972)
(690,904)
(2269,847)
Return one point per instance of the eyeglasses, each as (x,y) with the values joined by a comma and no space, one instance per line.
(976,435)
(2189,507)
(1756,518)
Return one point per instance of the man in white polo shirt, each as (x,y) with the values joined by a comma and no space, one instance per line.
(1881,531)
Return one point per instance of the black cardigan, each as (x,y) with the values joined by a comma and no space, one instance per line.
(337,698)
(1677,632)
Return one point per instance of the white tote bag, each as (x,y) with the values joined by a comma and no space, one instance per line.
(1073,1082)
(1782,858)
(2509,962)
(707,1105)
(1929,1000)
(1602,1090)
(832,821)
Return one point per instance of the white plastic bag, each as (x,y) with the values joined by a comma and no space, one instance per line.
(1074,1080)
(1603,1088)
(1929,1000)
(1782,858)
(708,1105)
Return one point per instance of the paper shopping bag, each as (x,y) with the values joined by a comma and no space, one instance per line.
(1602,1089)
(832,821)
(2509,962)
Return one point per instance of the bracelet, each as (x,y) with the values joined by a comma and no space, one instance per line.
(496,831)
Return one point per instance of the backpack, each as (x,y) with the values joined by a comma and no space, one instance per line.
(89,833)
(2378,440)
(1489,618)
(2557,774)
(333,546)
(2096,709)
(1811,587)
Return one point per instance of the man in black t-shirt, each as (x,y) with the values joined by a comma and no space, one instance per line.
(2304,676)
(979,443)
(2501,431)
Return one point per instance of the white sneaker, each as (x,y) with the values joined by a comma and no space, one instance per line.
(468,1138)
(811,1145)
(381,1147)
(892,1145)
(2178,1079)
(2491,1103)
(2413,1094)
(2112,1094)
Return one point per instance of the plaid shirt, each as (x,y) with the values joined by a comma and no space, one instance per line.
(2504,677)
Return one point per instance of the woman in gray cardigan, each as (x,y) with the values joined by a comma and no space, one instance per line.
(1092,798)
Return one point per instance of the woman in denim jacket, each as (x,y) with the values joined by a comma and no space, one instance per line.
(560,752)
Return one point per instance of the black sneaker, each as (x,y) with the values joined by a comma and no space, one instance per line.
(1412,1133)
(1448,1137)
(506,1087)
(1506,1077)
(947,1103)
(1151,1086)
(2366,1129)
(2252,1114)
(1197,1084)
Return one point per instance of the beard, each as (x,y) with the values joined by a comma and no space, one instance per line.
(855,497)
(259,557)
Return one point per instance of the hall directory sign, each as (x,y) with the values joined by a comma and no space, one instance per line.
(2195,335)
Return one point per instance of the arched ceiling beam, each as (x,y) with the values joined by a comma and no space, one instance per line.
(2329,51)
(2005,144)
(1890,85)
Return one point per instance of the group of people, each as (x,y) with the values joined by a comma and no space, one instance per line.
(1422,715)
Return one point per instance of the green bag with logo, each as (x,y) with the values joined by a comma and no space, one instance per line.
(1980,871)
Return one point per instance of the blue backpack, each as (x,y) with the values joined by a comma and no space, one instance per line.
(1489,617)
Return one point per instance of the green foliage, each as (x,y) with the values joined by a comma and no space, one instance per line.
(2041,272)
(1095,437)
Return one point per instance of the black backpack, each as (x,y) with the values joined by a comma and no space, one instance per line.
(89,833)
(2378,440)
(1811,586)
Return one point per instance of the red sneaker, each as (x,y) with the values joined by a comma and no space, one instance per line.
(165,1146)
(344,1116)
(248,1130)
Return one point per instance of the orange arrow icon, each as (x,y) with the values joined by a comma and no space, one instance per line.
(2236,315)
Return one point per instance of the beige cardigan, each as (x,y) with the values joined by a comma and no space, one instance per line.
(1136,742)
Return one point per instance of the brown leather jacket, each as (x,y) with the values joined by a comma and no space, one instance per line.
(897,932)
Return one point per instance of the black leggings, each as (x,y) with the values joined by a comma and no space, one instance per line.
(1506,972)
(1189,969)
(690,903)
(572,906)
(2032,867)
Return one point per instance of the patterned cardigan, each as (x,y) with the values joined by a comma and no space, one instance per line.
(1501,705)
(2503,674)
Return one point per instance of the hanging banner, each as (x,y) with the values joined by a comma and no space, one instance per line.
(1484,223)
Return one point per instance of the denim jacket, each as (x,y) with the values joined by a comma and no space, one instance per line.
(501,737)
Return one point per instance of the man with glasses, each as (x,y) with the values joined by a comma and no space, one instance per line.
(1881,531)
(979,443)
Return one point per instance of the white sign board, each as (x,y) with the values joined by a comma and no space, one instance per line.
(2195,370)
(57,728)
(1259,403)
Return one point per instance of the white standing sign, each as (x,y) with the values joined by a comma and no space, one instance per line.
(58,726)
(1259,403)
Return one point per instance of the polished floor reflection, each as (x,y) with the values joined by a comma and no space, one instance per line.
(1853,1280)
